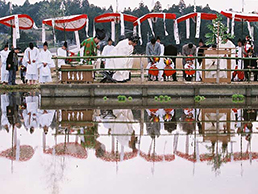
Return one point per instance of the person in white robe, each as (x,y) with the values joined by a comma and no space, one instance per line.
(161,64)
(4,73)
(240,63)
(45,119)
(30,60)
(45,64)
(106,51)
(123,48)
(62,52)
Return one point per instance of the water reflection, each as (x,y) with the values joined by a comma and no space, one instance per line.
(55,141)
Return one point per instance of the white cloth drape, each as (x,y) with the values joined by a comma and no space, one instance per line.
(198,25)
(17,27)
(165,27)
(77,39)
(122,24)
(113,30)
(87,28)
(43,33)
(176,34)
(151,26)
(187,28)
(139,31)
(233,24)
(228,20)
(94,31)
(250,30)
(53,25)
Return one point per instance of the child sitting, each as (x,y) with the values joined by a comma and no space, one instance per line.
(168,72)
(189,73)
(153,70)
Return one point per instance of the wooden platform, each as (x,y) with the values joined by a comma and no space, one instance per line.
(149,89)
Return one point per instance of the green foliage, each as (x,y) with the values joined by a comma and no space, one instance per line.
(105,98)
(217,29)
(238,98)
(199,98)
(130,98)
(121,98)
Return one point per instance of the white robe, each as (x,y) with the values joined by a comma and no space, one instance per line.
(121,49)
(32,108)
(31,55)
(106,52)
(61,53)
(45,72)
(45,119)
(4,72)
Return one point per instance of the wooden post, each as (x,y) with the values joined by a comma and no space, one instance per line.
(142,71)
(57,70)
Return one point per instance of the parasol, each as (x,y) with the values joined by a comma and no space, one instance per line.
(152,17)
(235,16)
(199,16)
(70,149)
(114,18)
(72,23)
(21,153)
(17,22)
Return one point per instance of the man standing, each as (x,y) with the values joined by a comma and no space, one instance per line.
(30,60)
(90,45)
(239,75)
(188,49)
(162,47)
(4,73)
(12,65)
(45,63)
(62,52)
(106,51)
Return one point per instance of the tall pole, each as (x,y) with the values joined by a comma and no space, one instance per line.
(243,9)
(116,6)
(194,5)
(11,12)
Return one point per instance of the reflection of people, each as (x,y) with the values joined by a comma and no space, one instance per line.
(4,104)
(154,126)
(45,119)
(249,116)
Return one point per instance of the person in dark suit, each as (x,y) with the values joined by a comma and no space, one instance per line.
(171,50)
(12,65)
(250,64)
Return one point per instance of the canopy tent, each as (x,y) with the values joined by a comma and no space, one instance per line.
(199,16)
(234,16)
(114,18)
(72,23)
(152,17)
(17,22)
(70,149)
(21,153)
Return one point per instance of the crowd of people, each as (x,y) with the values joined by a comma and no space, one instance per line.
(35,65)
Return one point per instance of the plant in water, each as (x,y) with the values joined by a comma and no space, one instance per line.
(199,98)
(156,98)
(238,98)
(105,98)
(130,98)
(121,98)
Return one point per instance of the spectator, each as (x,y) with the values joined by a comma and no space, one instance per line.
(250,64)
(12,65)
(188,49)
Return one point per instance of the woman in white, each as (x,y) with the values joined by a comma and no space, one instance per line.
(4,73)
(106,51)
(45,65)
(30,60)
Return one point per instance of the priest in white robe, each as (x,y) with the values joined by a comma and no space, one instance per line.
(123,48)
(106,51)
(30,60)
(45,65)
(4,73)
(4,104)
(62,52)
